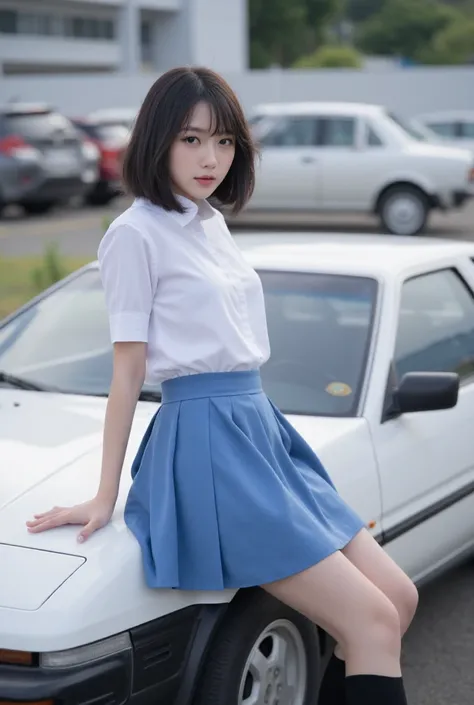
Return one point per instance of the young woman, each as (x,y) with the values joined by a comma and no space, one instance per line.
(220,496)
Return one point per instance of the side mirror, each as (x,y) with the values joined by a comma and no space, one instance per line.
(424,391)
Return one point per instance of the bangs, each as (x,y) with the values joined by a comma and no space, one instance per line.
(224,120)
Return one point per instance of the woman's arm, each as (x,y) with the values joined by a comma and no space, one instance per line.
(127,381)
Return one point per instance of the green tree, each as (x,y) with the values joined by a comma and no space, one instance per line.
(320,14)
(330,57)
(283,30)
(276,28)
(453,45)
(361,10)
(405,27)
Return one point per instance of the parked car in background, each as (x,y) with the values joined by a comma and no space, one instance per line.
(44,160)
(372,361)
(454,127)
(115,116)
(111,140)
(355,157)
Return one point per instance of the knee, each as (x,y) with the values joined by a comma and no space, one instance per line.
(377,627)
(407,603)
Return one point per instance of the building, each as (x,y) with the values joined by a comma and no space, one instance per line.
(64,36)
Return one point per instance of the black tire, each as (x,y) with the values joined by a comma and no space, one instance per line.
(100,199)
(226,666)
(417,209)
(37,207)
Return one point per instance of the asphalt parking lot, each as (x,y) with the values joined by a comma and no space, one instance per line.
(78,230)
(439,648)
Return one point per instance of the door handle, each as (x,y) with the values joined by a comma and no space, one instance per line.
(308,159)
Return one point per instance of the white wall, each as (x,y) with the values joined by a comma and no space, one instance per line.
(219,35)
(54,50)
(407,91)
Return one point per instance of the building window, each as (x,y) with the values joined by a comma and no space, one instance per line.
(8,22)
(89,28)
(39,24)
(45,25)
(146,36)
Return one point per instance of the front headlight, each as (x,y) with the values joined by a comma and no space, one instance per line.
(82,655)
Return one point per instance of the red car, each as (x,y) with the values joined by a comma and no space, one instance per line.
(111,140)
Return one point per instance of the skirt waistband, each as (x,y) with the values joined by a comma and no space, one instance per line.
(211,384)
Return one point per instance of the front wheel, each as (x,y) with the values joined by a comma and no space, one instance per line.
(264,652)
(403,210)
(37,207)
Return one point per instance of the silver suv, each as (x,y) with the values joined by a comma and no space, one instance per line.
(44,160)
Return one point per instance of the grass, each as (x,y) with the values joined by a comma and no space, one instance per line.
(19,280)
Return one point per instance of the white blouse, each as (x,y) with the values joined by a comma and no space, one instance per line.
(179,283)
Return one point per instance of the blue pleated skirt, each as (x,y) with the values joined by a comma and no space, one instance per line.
(226,493)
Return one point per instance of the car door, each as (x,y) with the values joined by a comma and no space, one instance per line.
(426,459)
(288,173)
(348,170)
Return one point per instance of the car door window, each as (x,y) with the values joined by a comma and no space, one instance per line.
(436,325)
(372,138)
(468,130)
(338,132)
(444,129)
(291,132)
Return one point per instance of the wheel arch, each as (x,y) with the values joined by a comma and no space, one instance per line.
(430,197)
(209,631)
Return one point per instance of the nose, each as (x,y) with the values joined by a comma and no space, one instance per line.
(209,156)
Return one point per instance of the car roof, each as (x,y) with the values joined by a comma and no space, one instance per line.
(368,255)
(320,107)
(113,114)
(21,108)
(448,115)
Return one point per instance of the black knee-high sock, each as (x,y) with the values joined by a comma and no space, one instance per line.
(375,690)
(333,688)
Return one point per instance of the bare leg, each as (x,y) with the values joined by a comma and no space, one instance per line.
(365,553)
(335,595)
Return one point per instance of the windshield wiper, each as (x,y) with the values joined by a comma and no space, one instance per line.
(20,383)
(149,395)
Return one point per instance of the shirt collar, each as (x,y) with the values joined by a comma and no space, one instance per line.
(203,210)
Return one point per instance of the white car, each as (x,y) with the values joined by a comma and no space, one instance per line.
(373,362)
(453,127)
(355,157)
(115,116)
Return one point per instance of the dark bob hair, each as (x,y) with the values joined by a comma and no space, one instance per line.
(164,113)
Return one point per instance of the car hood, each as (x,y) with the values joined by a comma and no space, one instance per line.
(50,454)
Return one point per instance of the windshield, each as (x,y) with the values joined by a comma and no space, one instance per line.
(108,134)
(38,125)
(320,328)
(412,128)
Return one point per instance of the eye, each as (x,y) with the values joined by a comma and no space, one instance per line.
(190,140)
(227,140)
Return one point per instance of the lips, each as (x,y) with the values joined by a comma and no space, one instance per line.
(205,180)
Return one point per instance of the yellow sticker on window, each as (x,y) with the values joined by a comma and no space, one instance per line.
(338,389)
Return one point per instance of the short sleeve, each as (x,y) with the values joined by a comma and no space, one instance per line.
(128,273)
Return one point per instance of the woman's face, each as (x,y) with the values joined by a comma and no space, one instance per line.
(199,160)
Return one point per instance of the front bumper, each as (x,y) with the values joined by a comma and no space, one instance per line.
(107,680)
(56,189)
(460,197)
(162,666)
